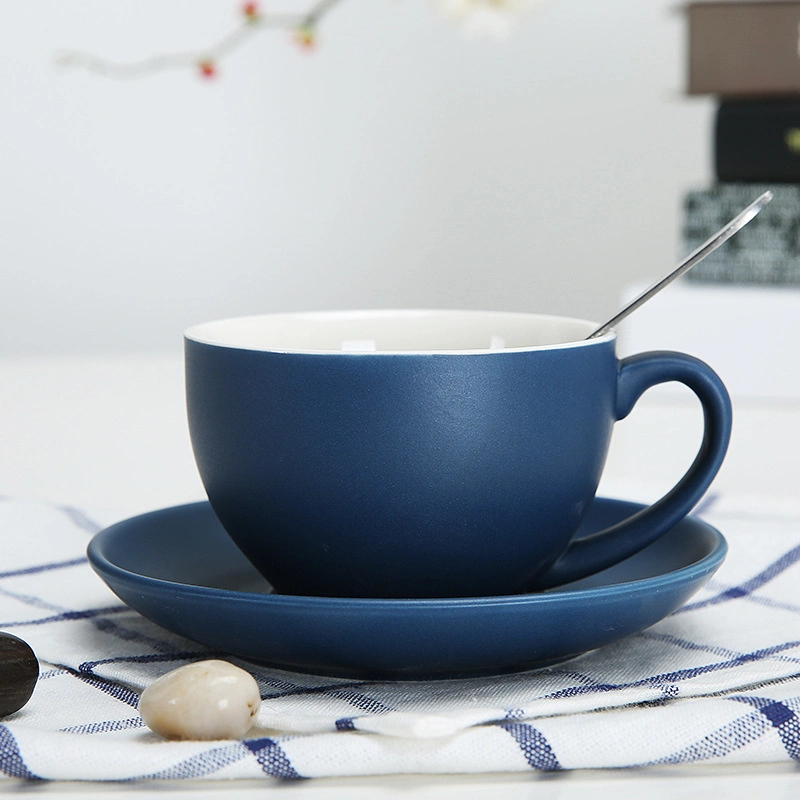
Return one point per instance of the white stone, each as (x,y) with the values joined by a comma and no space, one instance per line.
(204,701)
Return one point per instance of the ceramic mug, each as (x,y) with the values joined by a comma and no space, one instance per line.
(425,453)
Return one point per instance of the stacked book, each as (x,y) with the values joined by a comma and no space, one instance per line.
(746,53)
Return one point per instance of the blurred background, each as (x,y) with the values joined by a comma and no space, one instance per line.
(396,163)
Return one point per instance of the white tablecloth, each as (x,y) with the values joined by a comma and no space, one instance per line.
(106,438)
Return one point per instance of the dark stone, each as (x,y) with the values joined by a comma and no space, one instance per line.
(19,670)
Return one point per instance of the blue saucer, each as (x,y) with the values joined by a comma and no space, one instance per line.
(179,568)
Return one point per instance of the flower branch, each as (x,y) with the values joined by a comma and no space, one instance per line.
(481,17)
(252,21)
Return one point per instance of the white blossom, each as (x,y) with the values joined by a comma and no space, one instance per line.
(492,18)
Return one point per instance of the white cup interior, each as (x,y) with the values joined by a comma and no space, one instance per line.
(394,331)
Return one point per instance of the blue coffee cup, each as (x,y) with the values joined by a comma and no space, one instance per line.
(425,453)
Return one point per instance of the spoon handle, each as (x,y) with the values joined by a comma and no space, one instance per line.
(720,237)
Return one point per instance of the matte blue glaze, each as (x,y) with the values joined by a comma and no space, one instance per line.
(428,474)
(179,568)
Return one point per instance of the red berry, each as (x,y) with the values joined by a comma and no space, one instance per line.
(208,69)
(305,37)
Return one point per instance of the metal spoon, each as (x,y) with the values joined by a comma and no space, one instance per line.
(721,236)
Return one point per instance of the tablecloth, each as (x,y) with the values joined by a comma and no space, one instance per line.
(717,681)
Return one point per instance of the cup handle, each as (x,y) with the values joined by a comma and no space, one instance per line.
(638,373)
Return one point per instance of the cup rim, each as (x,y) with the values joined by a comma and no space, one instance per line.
(208,333)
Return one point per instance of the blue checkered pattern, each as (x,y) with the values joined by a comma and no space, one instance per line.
(718,681)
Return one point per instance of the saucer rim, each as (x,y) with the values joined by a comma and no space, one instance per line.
(710,562)
(402,639)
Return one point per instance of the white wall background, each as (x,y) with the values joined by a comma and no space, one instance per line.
(399,164)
